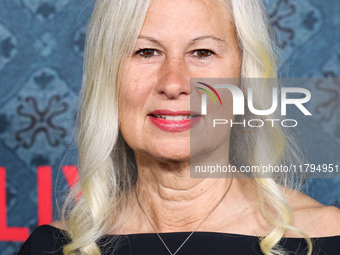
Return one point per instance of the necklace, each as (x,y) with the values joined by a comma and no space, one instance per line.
(206,217)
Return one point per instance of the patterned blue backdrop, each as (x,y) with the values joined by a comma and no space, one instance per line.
(41,52)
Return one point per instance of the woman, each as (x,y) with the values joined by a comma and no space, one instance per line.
(140,56)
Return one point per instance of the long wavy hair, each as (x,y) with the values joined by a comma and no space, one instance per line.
(107,172)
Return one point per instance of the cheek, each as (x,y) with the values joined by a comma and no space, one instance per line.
(133,93)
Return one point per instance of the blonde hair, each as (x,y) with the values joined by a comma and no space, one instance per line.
(106,174)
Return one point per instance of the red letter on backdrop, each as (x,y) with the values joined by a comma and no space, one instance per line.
(16,234)
(44,181)
(71,174)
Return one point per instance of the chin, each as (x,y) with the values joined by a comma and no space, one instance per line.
(173,151)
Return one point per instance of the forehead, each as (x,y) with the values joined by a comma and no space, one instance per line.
(188,18)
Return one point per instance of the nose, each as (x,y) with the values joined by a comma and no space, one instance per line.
(174,79)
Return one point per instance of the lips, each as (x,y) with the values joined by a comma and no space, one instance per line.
(174,121)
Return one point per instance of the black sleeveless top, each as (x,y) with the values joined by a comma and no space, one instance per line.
(50,240)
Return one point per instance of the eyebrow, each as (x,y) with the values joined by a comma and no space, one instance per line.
(195,40)
(206,37)
(151,39)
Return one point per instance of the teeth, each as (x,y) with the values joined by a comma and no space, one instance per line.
(178,117)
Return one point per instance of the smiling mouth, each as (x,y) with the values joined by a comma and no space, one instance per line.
(174,117)
(174,121)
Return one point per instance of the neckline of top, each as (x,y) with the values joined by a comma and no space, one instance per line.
(199,232)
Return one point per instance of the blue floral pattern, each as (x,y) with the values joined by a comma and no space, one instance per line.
(41,53)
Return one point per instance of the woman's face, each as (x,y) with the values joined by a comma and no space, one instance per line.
(180,39)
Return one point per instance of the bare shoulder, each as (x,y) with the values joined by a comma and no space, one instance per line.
(312,217)
(57,224)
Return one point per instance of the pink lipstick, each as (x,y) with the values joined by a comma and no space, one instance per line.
(174,121)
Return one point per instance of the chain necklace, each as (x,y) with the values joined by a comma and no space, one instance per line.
(160,238)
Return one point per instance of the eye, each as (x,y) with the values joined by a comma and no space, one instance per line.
(147,53)
(203,53)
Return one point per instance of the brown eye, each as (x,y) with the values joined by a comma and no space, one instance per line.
(203,53)
(147,53)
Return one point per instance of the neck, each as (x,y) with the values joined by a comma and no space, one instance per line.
(175,202)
